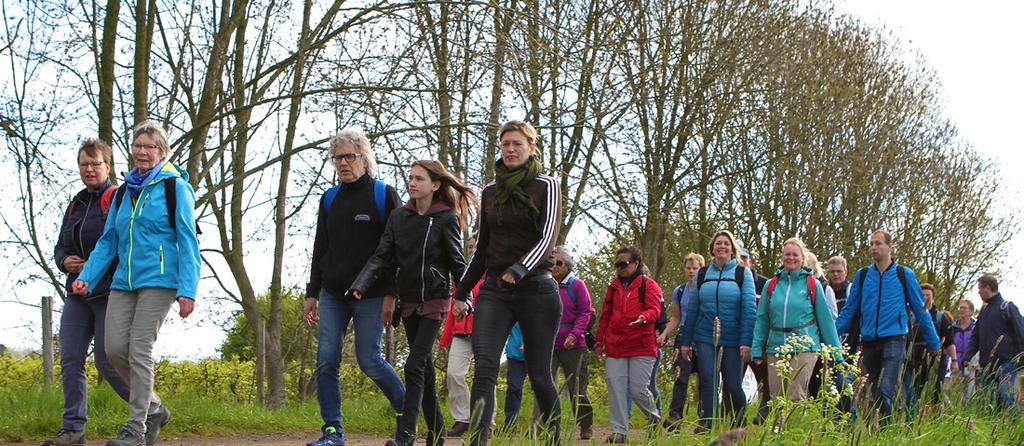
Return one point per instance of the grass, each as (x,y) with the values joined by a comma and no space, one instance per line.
(34,413)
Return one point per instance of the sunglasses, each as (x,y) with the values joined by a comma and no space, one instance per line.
(559,263)
(622,264)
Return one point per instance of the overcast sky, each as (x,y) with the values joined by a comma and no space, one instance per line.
(975,48)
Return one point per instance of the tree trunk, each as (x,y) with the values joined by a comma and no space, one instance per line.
(105,73)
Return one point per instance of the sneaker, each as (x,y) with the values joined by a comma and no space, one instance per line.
(616,439)
(331,437)
(458,429)
(673,421)
(128,436)
(154,422)
(66,437)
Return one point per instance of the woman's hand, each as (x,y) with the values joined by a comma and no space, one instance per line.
(358,295)
(80,288)
(508,278)
(460,309)
(685,351)
(74,264)
(745,353)
(570,342)
(387,311)
(185,306)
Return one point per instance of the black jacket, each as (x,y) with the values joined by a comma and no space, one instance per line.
(79,231)
(990,326)
(426,249)
(346,237)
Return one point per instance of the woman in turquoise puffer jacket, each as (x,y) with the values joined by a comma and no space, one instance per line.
(793,319)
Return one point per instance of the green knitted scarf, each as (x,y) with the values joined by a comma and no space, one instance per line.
(511,183)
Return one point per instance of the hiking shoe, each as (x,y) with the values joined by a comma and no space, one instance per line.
(616,439)
(762,414)
(672,422)
(128,436)
(586,433)
(458,429)
(154,422)
(331,437)
(66,437)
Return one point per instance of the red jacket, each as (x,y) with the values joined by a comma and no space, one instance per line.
(453,327)
(621,306)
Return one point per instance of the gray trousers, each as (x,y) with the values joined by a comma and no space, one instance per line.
(632,377)
(133,320)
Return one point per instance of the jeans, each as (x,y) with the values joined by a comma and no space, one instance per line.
(335,315)
(420,386)
(1004,379)
(515,377)
(883,360)
(534,303)
(80,322)
(681,385)
(731,370)
(133,320)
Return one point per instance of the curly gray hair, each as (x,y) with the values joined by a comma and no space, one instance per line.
(570,260)
(355,138)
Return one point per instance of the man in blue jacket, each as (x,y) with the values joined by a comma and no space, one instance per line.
(997,340)
(880,295)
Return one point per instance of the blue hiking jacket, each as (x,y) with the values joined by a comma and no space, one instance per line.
(720,295)
(780,315)
(150,253)
(882,303)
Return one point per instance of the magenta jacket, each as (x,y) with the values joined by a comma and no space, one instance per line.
(575,315)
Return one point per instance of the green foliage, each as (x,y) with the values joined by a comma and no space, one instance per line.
(241,339)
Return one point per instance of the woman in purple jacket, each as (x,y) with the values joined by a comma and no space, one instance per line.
(962,330)
(570,343)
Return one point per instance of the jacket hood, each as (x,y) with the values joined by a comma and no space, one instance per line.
(801,274)
(171,170)
(435,208)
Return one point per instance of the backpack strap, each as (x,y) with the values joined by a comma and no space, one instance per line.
(171,198)
(812,290)
(572,293)
(901,273)
(740,277)
(329,197)
(380,193)
(119,195)
(107,199)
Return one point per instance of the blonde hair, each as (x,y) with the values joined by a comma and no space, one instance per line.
(732,240)
(355,138)
(695,258)
(523,127)
(156,131)
(811,261)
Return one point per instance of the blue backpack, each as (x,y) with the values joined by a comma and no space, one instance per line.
(380,192)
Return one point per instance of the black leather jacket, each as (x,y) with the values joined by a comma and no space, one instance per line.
(426,249)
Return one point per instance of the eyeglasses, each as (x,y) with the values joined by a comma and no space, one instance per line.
(91,165)
(348,157)
(145,147)
(622,264)
(559,263)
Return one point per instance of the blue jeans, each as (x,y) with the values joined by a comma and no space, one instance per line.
(1003,378)
(515,377)
(335,315)
(883,360)
(80,323)
(731,370)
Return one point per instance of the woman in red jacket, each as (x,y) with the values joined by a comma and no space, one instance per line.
(625,335)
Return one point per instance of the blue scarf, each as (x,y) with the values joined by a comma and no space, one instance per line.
(136,181)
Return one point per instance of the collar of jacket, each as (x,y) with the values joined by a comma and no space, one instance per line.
(436,207)
(728,265)
(357,184)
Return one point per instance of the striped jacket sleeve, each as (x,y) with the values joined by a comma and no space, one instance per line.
(550,207)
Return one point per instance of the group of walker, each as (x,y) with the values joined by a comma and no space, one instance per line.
(131,251)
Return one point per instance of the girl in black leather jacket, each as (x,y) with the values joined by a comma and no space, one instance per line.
(423,240)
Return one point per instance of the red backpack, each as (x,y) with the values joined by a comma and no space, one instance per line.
(105,201)
(811,281)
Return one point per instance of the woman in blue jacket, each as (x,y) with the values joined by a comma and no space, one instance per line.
(83,318)
(793,319)
(150,230)
(720,324)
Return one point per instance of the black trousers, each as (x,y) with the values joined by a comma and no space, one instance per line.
(534,303)
(420,386)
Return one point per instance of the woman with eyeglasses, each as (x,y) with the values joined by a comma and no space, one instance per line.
(423,240)
(520,216)
(151,232)
(82,319)
(626,337)
(719,326)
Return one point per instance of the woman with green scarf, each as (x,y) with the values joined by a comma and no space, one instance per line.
(520,217)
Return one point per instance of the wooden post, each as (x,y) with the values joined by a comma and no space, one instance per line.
(261,358)
(47,306)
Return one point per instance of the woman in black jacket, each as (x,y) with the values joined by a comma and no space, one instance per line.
(83,318)
(423,239)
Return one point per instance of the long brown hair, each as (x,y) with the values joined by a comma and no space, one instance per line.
(452,192)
